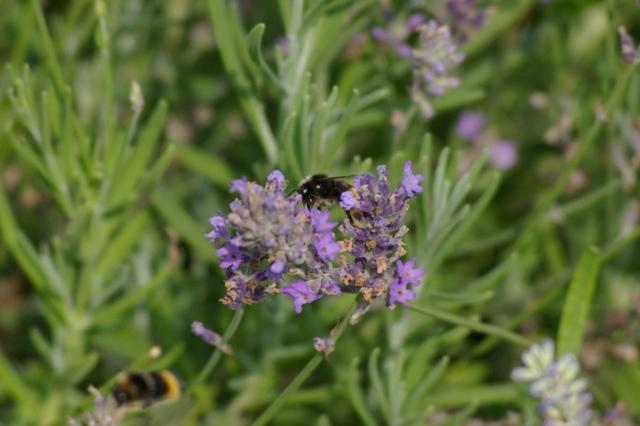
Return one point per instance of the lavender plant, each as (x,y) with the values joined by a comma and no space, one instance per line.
(506,211)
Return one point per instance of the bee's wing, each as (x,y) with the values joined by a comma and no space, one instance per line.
(339,177)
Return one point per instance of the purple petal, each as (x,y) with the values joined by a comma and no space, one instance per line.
(411,182)
(348,201)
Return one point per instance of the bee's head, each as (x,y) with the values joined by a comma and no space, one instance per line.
(120,395)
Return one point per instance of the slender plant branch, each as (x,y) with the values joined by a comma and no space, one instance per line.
(303,375)
(473,325)
(217,353)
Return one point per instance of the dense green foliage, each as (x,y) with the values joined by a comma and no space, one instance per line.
(106,187)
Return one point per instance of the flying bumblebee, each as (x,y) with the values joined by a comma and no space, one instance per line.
(147,387)
(322,191)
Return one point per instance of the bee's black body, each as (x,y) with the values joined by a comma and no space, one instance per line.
(322,191)
(147,387)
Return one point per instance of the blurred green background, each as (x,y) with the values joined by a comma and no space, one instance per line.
(104,203)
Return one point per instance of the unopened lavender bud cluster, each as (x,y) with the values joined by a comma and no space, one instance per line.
(433,62)
(465,17)
(210,337)
(270,243)
(627,46)
(564,399)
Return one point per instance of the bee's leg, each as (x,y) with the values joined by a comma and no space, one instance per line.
(355,218)
(350,217)
(147,402)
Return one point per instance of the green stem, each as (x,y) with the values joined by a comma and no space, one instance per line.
(217,353)
(303,375)
(588,200)
(473,325)
(615,247)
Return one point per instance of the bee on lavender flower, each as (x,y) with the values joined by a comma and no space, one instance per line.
(322,191)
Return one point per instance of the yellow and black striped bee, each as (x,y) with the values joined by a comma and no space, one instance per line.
(322,191)
(147,387)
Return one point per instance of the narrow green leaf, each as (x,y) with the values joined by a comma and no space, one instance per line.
(577,302)
(473,325)
(13,384)
(225,23)
(187,228)
(355,394)
(47,44)
(254,41)
(130,300)
(458,98)
(461,415)
(19,245)
(319,128)
(333,146)
(209,166)
(138,159)
(122,244)
(458,235)
(289,147)
(151,178)
(424,386)
(483,395)
(376,383)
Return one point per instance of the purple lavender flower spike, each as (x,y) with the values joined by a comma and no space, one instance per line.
(411,182)
(268,239)
(470,126)
(627,45)
(301,294)
(503,154)
(433,61)
(563,396)
(465,17)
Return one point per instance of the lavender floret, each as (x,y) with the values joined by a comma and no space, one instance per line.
(301,294)
(433,62)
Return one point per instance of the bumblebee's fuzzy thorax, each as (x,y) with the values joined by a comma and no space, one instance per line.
(322,191)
